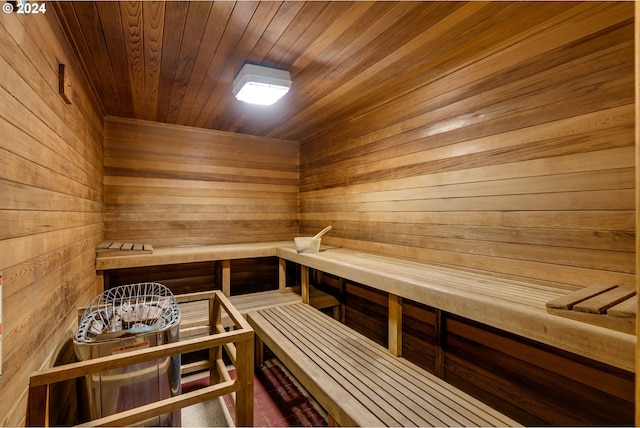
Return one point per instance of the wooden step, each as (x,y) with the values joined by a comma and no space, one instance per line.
(194,316)
(112,248)
(608,306)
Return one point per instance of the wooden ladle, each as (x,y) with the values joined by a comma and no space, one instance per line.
(322,232)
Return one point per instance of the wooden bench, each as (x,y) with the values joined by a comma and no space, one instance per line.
(358,382)
(512,305)
(509,304)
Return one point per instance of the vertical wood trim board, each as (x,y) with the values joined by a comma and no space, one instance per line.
(51,206)
(174,185)
(516,158)
(637,129)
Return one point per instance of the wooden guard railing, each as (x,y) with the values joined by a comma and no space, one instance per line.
(239,344)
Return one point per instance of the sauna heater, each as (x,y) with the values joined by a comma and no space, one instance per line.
(124,319)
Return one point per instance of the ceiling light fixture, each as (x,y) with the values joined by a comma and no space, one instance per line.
(256,84)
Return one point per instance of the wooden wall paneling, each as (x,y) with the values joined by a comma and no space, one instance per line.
(222,188)
(180,278)
(86,27)
(520,161)
(366,311)
(111,22)
(636,39)
(217,20)
(261,19)
(247,276)
(447,160)
(239,18)
(152,41)
(131,17)
(329,284)
(561,276)
(497,67)
(254,275)
(196,19)
(419,335)
(51,179)
(26,107)
(69,19)
(542,385)
(360,24)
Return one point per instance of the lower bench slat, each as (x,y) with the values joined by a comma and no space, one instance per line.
(402,384)
(358,381)
(347,377)
(396,391)
(324,389)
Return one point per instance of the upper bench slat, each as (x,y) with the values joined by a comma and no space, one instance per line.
(189,254)
(509,304)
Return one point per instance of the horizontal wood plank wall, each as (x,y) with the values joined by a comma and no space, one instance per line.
(247,276)
(637,129)
(180,278)
(515,155)
(51,203)
(533,383)
(170,185)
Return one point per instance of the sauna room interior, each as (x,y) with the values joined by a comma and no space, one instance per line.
(476,161)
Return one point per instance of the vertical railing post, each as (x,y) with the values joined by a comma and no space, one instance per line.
(244,376)
(215,353)
(38,410)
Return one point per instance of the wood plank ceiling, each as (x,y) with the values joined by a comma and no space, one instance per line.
(174,62)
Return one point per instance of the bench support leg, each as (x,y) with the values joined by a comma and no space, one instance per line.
(304,279)
(215,353)
(244,373)
(282,274)
(226,277)
(395,325)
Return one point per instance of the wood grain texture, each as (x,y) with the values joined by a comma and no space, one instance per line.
(637,135)
(359,382)
(568,301)
(52,201)
(505,303)
(513,153)
(600,303)
(551,384)
(542,386)
(220,188)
